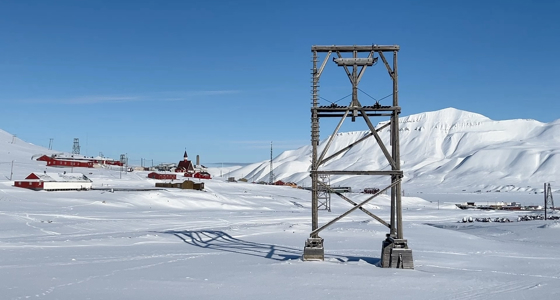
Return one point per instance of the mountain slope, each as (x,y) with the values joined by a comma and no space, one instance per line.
(448,148)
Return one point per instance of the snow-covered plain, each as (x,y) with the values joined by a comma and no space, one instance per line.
(245,241)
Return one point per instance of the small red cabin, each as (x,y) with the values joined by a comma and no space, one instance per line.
(371,190)
(202,175)
(155,175)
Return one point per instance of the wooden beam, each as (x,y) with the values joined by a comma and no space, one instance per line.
(355,48)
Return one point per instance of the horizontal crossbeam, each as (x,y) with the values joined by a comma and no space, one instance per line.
(355,48)
(366,108)
(390,172)
(338,115)
(367,61)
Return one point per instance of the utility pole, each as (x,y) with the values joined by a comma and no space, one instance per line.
(271,174)
(123,162)
(50,143)
(548,201)
(12,170)
(14,138)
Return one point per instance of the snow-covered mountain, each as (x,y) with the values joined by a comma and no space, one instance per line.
(448,149)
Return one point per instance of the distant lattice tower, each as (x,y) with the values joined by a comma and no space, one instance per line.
(76,147)
(548,201)
(324,193)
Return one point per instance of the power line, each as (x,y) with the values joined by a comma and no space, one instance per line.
(373,97)
(336,100)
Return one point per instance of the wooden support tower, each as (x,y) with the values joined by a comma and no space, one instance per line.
(395,251)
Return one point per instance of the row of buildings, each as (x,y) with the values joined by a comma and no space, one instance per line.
(78,181)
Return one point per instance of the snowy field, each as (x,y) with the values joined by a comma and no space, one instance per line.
(245,241)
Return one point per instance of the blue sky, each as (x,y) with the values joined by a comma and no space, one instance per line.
(225,78)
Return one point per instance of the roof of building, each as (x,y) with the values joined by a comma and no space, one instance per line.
(79,157)
(59,177)
(186,165)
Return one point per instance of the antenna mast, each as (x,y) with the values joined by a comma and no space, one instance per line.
(271,174)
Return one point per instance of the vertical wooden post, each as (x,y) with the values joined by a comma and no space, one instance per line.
(315,145)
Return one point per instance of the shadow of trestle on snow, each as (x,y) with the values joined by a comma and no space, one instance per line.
(221,241)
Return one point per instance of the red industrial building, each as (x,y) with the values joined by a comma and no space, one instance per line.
(155,175)
(81,159)
(69,163)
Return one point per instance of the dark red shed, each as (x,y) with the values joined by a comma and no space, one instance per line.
(155,175)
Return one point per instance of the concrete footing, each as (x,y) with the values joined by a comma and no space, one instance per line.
(395,254)
(314,249)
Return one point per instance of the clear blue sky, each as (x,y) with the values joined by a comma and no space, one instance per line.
(225,78)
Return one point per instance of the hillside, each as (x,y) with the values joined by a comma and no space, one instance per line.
(449,148)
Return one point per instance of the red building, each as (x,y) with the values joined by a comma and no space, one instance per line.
(371,190)
(55,181)
(81,159)
(69,163)
(155,175)
(185,165)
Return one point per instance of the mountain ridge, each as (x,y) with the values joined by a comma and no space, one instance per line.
(448,148)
